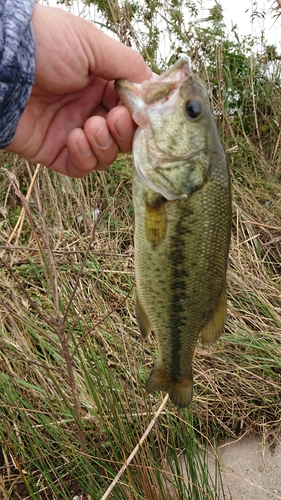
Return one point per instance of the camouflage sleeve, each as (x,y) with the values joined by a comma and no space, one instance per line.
(17,64)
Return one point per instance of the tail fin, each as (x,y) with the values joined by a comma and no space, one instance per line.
(180,391)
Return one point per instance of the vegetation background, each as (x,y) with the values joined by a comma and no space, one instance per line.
(72,363)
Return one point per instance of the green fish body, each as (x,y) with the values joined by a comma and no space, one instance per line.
(182,207)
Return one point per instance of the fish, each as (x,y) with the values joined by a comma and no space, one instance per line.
(182,222)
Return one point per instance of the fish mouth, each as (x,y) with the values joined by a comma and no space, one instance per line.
(136,96)
(159,87)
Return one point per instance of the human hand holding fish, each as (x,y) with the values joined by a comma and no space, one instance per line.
(72,122)
(182,207)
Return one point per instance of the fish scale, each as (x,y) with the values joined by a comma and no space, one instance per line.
(192,281)
(182,210)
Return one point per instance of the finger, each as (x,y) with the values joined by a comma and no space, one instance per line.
(81,158)
(111,59)
(77,159)
(121,127)
(90,149)
(110,96)
(101,141)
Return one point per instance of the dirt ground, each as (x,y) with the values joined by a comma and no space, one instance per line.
(251,470)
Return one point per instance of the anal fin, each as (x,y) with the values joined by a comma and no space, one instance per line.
(142,319)
(213,328)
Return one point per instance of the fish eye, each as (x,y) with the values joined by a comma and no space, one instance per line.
(193,108)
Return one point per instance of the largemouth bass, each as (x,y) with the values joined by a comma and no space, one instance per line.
(182,209)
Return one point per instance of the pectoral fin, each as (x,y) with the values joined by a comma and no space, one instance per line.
(142,319)
(213,328)
(155,220)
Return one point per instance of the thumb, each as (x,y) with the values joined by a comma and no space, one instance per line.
(110,59)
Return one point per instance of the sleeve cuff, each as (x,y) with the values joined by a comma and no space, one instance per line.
(17,64)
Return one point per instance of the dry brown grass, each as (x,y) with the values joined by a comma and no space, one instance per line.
(67,321)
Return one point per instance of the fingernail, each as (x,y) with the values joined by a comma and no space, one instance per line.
(103,137)
(124,128)
(83,145)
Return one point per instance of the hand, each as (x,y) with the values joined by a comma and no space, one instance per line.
(72,122)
